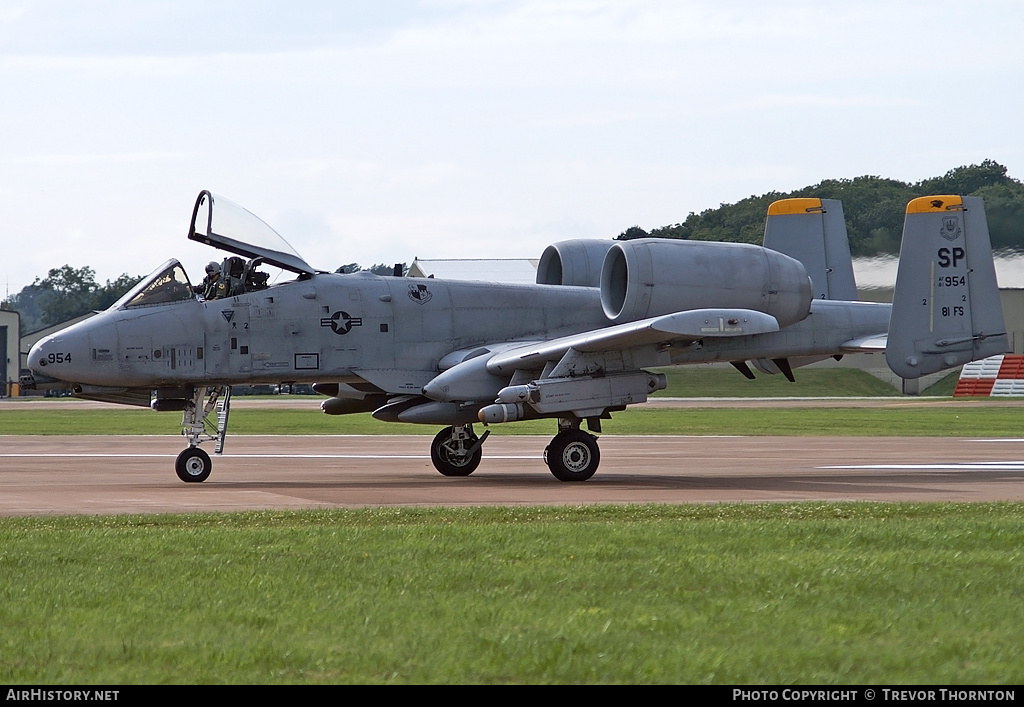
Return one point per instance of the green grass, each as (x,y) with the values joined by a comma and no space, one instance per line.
(820,593)
(944,387)
(727,382)
(899,419)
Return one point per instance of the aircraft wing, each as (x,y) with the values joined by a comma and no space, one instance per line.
(688,325)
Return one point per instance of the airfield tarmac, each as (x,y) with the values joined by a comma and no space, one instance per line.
(134,474)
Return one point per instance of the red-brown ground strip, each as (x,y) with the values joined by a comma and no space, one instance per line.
(44,475)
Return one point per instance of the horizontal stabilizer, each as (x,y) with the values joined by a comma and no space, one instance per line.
(946,309)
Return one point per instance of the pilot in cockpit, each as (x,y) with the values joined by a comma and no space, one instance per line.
(208,287)
(231,278)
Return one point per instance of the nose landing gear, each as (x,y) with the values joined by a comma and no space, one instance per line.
(193,464)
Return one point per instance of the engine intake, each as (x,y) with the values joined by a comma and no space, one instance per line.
(575,263)
(649,277)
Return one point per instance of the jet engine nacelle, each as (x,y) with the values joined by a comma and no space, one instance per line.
(575,263)
(649,277)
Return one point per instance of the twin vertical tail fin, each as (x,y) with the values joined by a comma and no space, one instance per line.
(813,231)
(946,309)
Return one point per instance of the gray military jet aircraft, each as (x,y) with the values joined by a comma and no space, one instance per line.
(572,347)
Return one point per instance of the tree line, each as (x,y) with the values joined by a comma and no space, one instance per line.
(65,293)
(874,208)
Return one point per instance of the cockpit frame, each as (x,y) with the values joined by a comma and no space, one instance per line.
(167,284)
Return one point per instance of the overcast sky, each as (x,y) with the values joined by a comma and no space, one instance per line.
(381,131)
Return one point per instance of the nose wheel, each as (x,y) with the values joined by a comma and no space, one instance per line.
(193,465)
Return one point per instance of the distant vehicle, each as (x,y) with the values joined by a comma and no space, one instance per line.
(572,348)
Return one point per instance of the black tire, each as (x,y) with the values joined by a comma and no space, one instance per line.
(451,464)
(193,465)
(573,455)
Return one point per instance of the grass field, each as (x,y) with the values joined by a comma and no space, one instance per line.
(988,421)
(718,382)
(751,594)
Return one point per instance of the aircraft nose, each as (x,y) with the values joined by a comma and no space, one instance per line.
(58,356)
(42,355)
(37,356)
(37,363)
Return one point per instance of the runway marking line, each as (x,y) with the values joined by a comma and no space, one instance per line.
(963,466)
(27,455)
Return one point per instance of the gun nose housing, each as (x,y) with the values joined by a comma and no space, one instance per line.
(62,356)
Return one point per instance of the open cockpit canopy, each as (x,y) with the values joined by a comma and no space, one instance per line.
(220,222)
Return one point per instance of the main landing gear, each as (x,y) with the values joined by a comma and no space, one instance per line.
(456,451)
(193,464)
(572,455)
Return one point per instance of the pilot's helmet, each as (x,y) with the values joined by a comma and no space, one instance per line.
(212,267)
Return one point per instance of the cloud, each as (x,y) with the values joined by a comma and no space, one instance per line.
(122,158)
